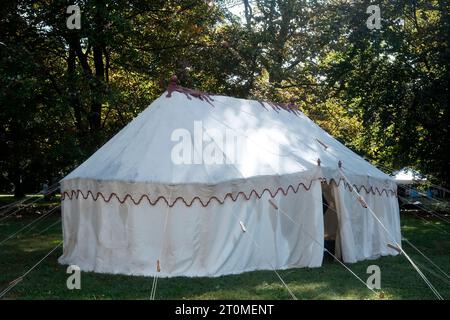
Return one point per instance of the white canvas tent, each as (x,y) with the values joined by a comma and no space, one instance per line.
(408,176)
(201,185)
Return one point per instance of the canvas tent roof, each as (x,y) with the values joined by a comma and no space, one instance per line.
(278,149)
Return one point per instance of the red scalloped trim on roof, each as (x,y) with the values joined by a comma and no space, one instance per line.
(204,96)
(291,107)
(173,86)
(77,193)
(371,190)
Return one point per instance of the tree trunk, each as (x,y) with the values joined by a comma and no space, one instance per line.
(95,115)
(19,191)
(71,86)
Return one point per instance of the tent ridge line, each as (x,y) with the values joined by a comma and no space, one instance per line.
(71,194)
(175,87)
(276,106)
(206,97)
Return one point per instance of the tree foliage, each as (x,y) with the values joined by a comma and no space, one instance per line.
(64,92)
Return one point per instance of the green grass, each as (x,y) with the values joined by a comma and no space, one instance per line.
(332,281)
(6,199)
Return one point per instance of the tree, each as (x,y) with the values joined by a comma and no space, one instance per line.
(398,80)
(64,92)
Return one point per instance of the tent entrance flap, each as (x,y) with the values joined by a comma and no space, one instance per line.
(330,220)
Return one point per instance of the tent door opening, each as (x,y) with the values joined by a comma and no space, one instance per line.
(331,223)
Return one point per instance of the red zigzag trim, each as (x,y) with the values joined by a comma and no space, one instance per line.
(76,194)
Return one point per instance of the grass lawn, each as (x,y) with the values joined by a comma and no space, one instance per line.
(331,281)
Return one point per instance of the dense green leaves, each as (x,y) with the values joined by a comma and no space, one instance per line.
(63,93)
(399,78)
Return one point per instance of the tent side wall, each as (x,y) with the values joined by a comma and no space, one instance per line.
(361,235)
(219,239)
